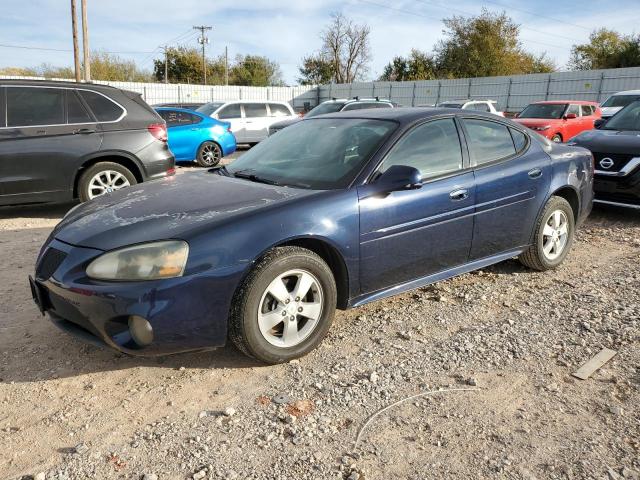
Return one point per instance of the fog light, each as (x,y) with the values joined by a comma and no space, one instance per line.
(141,330)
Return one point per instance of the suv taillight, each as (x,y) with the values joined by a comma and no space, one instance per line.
(159,131)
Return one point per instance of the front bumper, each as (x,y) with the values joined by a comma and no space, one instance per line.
(186,313)
(623,190)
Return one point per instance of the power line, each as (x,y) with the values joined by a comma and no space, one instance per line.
(539,15)
(26,47)
(416,14)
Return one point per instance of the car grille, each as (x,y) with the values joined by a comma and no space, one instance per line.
(619,160)
(49,263)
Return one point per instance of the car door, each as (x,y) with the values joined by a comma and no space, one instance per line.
(182,132)
(512,177)
(410,234)
(48,133)
(256,120)
(232,113)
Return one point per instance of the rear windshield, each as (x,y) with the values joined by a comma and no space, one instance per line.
(208,108)
(620,100)
(544,110)
(327,107)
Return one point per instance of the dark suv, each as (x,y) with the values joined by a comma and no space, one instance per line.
(62,140)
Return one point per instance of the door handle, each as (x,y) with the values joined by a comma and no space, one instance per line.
(460,194)
(535,173)
(83,131)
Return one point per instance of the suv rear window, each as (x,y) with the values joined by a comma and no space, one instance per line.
(105,110)
(28,106)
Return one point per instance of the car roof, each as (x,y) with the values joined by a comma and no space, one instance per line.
(225,102)
(467,100)
(177,109)
(576,102)
(405,115)
(57,83)
(356,100)
(627,92)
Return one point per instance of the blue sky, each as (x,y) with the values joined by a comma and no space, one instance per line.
(286,31)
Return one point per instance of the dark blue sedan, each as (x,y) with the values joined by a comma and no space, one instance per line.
(333,212)
(194,136)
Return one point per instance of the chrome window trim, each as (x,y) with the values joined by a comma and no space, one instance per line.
(624,171)
(124,110)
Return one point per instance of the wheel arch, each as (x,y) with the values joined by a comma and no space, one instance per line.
(329,253)
(122,159)
(570,194)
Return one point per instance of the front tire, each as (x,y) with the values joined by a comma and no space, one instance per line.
(103,178)
(553,237)
(209,154)
(285,306)
(557,138)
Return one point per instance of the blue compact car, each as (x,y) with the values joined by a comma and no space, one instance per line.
(193,136)
(332,212)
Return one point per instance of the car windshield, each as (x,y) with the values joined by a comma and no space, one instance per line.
(318,154)
(327,107)
(208,108)
(451,105)
(544,110)
(626,119)
(620,100)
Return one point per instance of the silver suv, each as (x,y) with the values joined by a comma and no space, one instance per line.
(336,105)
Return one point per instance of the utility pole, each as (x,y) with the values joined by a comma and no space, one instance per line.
(203,40)
(74,27)
(166,64)
(226,66)
(85,43)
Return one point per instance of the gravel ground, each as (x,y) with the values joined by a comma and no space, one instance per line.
(492,352)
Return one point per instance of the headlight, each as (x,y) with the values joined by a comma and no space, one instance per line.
(148,261)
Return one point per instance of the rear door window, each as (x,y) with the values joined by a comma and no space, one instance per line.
(104,109)
(76,113)
(28,106)
(255,110)
(488,141)
(278,110)
(230,111)
(587,110)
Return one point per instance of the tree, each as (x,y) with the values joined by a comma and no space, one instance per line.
(18,72)
(606,49)
(315,70)
(345,46)
(417,66)
(105,66)
(483,46)
(184,65)
(255,71)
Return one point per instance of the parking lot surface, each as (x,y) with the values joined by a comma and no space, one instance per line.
(508,336)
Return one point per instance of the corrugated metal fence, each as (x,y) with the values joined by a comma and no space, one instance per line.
(512,93)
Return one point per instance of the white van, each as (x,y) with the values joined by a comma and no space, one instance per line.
(250,119)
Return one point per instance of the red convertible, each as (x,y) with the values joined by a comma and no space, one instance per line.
(560,120)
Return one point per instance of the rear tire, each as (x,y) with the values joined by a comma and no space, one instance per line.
(553,236)
(103,178)
(209,154)
(283,325)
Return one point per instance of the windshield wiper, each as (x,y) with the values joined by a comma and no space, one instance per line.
(253,177)
(221,169)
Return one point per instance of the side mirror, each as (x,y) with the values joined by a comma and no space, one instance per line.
(399,177)
(599,122)
(570,116)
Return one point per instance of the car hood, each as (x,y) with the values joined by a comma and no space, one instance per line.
(610,111)
(609,141)
(536,122)
(171,208)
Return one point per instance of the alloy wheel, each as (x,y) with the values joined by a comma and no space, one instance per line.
(290,308)
(555,234)
(107,181)
(210,154)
